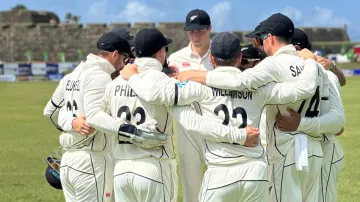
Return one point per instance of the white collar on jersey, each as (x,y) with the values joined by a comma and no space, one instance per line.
(288,49)
(227,69)
(190,52)
(101,62)
(148,64)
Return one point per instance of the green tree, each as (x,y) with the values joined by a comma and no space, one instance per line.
(18,7)
(75,19)
(68,17)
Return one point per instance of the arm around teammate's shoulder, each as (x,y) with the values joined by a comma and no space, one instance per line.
(252,79)
(94,90)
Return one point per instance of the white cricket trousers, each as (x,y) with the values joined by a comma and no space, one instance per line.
(330,171)
(289,184)
(87,176)
(145,180)
(243,182)
(190,150)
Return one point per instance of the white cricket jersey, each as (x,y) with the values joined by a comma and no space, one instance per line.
(239,108)
(155,87)
(185,59)
(284,66)
(83,92)
(124,104)
(52,108)
(332,113)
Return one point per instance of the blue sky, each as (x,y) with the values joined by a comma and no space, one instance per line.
(226,15)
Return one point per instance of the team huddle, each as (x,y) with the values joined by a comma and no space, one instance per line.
(262,118)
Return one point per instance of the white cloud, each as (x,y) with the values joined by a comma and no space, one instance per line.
(97,8)
(136,11)
(318,16)
(293,13)
(220,14)
(326,17)
(132,11)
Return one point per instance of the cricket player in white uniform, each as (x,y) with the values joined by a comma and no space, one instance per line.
(295,177)
(87,166)
(210,100)
(158,182)
(193,57)
(328,125)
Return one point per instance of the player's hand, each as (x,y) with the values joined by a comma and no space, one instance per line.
(80,125)
(252,138)
(183,76)
(326,63)
(306,54)
(142,137)
(288,123)
(174,70)
(128,71)
(340,132)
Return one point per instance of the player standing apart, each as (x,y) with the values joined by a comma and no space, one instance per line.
(193,57)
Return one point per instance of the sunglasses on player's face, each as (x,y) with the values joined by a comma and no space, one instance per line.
(261,38)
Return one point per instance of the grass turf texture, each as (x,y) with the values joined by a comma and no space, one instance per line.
(27,138)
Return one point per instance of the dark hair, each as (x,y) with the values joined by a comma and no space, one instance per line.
(227,62)
(284,39)
(307,46)
(103,53)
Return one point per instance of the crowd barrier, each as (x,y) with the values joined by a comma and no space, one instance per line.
(35,71)
(12,72)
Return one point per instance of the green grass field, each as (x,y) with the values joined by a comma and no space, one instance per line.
(27,138)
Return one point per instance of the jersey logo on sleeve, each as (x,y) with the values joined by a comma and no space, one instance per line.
(182,84)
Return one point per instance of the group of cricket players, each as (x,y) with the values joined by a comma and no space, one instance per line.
(263,118)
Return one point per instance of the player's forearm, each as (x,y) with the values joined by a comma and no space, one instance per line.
(153,93)
(340,75)
(103,122)
(65,122)
(251,79)
(329,123)
(205,127)
(51,112)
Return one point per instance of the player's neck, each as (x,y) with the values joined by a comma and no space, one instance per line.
(277,47)
(201,50)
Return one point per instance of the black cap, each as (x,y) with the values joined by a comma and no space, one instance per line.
(51,174)
(197,20)
(225,46)
(254,33)
(111,42)
(278,25)
(251,53)
(124,32)
(301,39)
(148,41)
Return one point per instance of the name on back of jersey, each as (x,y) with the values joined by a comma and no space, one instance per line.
(246,95)
(73,85)
(296,70)
(124,90)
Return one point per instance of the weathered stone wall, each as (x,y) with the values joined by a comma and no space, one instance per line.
(26,34)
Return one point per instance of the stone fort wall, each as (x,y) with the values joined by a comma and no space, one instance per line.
(32,34)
